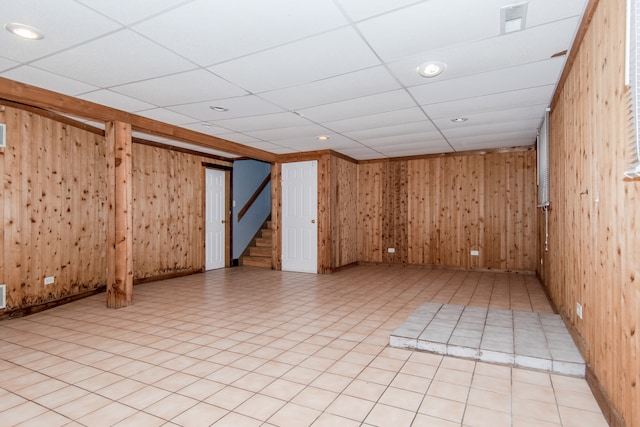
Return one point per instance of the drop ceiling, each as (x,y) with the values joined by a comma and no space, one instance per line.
(288,71)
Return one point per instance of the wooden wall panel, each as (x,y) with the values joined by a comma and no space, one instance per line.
(168,211)
(344,220)
(434,211)
(54,217)
(593,230)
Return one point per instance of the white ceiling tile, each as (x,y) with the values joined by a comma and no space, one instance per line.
(533,112)
(543,11)
(6,64)
(240,138)
(271,147)
(431,25)
(116,100)
(309,131)
(359,10)
(360,153)
(209,32)
(188,87)
(126,11)
(299,62)
(167,116)
(471,58)
(364,106)
(431,147)
(506,139)
(530,125)
(268,121)
(64,23)
(352,85)
(390,118)
(401,129)
(306,143)
(404,139)
(118,58)
(499,101)
(208,129)
(44,79)
(242,106)
(525,76)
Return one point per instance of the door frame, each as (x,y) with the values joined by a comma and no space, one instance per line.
(228,239)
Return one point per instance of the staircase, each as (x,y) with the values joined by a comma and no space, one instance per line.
(259,251)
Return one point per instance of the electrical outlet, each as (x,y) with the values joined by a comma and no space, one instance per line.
(391,250)
(579,310)
(475,253)
(49,280)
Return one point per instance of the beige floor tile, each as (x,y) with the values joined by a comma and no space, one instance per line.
(107,415)
(82,406)
(237,420)
(535,409)
(330,420)
(445,409)
(572,417)
(482,417)
(21,413)
(422,420)
(315,398)
(402,399)
(260,407)
(447,390)
(229,397)
(292,415)
(383,415)
(48,419)
(144,397)
(283,389)
(200,415)
(350,407)
(171,406)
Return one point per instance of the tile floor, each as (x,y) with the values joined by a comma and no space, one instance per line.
(253,347)
(518,338)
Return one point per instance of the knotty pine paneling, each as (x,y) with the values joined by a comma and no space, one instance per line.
(54,216)
(168,211)
(343,210)
(434,211)
(594,235)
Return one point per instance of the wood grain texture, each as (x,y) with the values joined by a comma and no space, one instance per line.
(168,211)
(593,230)
(119,147)
(53,209)
(434,211)
(343,211)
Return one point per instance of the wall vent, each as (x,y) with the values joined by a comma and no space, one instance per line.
(3,296)
(3,135)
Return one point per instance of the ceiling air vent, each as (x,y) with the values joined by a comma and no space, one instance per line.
(513,18)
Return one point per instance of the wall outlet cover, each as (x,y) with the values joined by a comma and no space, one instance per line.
(391,250)
(579,310)
(49,280)
(475,253)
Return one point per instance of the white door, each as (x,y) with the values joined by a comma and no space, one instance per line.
(300,217)
(215,219)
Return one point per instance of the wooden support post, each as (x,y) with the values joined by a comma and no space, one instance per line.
(120,203)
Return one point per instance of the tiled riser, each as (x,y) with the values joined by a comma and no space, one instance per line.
(522,339)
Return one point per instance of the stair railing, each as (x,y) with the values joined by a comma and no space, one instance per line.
(254,197)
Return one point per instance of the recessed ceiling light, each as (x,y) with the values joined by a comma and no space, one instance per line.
(218,109)
(459,120)
(24,31)
(324,138)
(431,69)
(206,125)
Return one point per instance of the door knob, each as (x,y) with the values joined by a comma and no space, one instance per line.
(313,221)
(223,221)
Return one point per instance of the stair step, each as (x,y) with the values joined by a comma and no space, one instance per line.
(256,261)
(263,251)
(269,225)
(266,232)
(261,241)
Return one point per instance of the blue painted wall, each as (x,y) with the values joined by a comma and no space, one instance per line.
(247,176)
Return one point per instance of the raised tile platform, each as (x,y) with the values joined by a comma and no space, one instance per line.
(523,339)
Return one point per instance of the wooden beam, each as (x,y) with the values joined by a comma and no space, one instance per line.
(120,216)
(37,97)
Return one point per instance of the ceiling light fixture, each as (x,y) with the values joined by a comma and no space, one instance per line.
(324,138)
(513,18)
(431,69)
(219,109)
(24,31)
(459,120)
